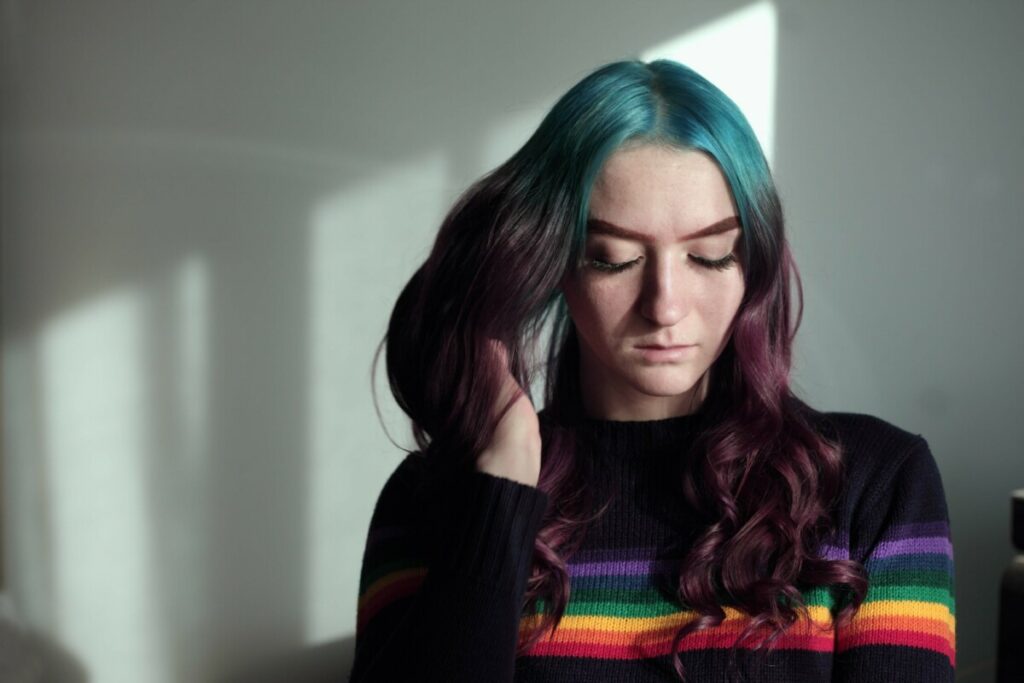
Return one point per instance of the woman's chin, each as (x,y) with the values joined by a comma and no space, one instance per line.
(662,382)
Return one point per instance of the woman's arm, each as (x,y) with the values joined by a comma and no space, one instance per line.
(443,578)
(905,629)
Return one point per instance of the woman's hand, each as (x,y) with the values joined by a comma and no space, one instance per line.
(514,451)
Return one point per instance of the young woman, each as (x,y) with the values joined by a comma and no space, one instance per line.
(674,512)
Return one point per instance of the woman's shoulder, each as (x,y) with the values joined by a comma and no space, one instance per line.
(409,472)
(403,486)
(880,459)
(866,433)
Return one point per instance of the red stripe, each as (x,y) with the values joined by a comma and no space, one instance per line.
(585,643)
(925,641)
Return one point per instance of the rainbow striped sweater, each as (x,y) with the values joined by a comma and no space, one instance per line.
(443,576)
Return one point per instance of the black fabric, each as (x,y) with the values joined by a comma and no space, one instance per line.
(445,572)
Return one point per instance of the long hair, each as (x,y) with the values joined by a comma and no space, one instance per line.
(762,480)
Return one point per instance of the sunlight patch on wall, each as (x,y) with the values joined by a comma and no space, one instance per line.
(97,428)
(27,550)
(739,54)
(366,242)
(191,291)
(183,475)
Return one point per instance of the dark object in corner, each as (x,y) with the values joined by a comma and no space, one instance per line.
(1011,603)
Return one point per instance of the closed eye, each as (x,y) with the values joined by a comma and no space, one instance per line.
(716,264)
(723,263)
(607,267)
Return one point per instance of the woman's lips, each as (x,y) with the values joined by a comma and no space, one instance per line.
(660,354)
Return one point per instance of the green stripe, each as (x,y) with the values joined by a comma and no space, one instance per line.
(620,609)
(650,603)
(935,579)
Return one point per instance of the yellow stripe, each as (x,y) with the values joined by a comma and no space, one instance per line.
(908,608)
(819,615)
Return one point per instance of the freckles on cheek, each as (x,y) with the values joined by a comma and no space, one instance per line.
(604,296)
(600,301)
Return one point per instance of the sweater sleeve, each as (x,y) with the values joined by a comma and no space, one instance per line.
(444,576)
(905,628)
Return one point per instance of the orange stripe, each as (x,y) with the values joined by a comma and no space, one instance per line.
(861,629)
(588,642)
(930,634)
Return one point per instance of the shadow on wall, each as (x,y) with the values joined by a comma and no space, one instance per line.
(327,663)
(186,326)
(30,657)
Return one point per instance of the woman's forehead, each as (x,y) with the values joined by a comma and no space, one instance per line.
(661,190)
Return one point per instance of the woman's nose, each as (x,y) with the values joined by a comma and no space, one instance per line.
(664,300)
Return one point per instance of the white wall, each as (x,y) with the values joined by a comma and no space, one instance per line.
(208,209)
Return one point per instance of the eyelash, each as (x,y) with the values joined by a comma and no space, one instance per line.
(723,263)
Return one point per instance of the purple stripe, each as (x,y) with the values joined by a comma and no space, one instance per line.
(621,568)
(834,552)
(937,545)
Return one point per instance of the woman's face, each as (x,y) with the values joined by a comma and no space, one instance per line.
(661,269)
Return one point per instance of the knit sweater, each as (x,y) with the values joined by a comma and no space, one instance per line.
(444,574)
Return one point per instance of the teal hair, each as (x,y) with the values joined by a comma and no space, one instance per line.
(661,102)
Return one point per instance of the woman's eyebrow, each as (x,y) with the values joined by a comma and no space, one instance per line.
(597,226)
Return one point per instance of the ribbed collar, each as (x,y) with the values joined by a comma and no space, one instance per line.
(639,439)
